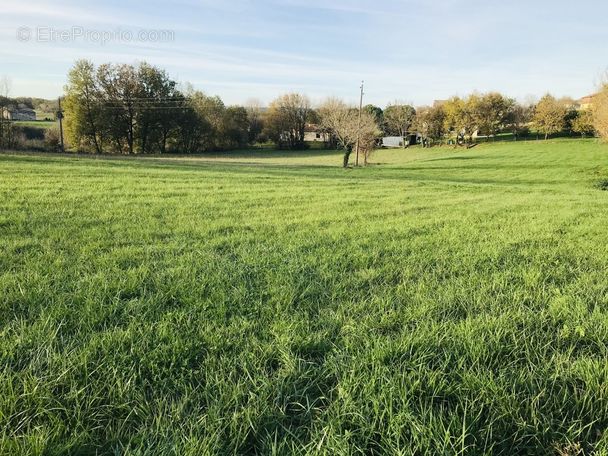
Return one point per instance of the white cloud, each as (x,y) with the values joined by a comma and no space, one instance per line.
(30,12)
(414,49)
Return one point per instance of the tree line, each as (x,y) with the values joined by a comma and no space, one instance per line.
(140,109)
(460,121)
(457,121)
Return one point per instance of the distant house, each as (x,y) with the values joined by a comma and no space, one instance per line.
(313,133)
(399,141)
(20,113)
(586,102)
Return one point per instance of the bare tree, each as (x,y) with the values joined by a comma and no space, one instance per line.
(399,118)
(5,90)
(255,116)
(5,86)
(342,121)
(369,131)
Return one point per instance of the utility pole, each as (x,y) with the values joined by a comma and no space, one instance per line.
(359,124)
(60,117)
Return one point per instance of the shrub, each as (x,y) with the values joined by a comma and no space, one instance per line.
(52,140)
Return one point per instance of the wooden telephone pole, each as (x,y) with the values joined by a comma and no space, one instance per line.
(359,124)
(60,117)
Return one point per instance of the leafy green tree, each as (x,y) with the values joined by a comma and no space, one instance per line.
(200,122)
(139,109)
(234,132)
(194,133)
(378,115)
(84,109)
(158,98)
(120,91)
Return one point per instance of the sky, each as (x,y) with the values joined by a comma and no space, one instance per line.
(413,51)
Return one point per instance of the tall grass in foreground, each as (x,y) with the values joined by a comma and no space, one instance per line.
(445,302)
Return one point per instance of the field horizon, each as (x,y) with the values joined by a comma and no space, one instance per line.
(439,301)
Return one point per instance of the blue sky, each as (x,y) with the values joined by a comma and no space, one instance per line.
(413,50)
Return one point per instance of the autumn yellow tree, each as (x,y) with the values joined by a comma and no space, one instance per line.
(460,120)
(550,115)
(583,123)
(430,124)
(600,112)
(286,120)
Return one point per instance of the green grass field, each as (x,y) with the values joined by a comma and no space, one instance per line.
(438,302)
(42,124)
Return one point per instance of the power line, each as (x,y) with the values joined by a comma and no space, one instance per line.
(146,108)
